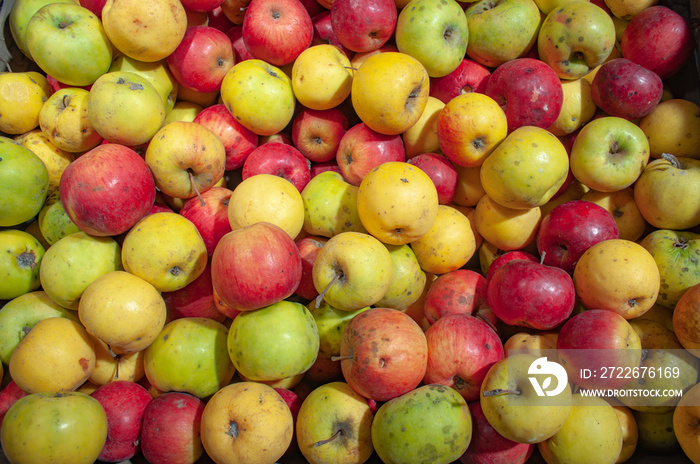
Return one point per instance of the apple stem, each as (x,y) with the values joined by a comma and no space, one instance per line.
(489,323)
(500,392)
(196,190)
(328,440)
(672,159)
(544,253)
(340,358)
(320,296)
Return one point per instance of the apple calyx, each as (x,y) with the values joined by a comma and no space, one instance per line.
(337,433)
(26,259)
(501,392)
(232,429)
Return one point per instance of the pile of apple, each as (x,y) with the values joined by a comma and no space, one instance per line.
(347,231)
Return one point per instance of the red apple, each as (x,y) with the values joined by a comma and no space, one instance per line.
(626,89)
(469,76)
(255,266)
(441,171)
(487,446)
(159,208)
(218,19)
(309,247)
(95,6)
(279,137)
(383,353)
(530,294)
(322,166)
(569,229)
(201,5)
(235,35)
(461,350)
(461,291)
(277,31)
(238,141)
(209,213)
(202,59)
(107,190)
(170,432)
(279,159)
(362,149)
(364,25)
(124,403)
(8,395)
(196,299)
(660,39)
(325,34)
(507,256)
(294,401)
(313,7)
(528,90)
(317,133)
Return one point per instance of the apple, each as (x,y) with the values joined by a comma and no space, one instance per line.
(238,141)
(363,25)
(680,137)
(630,298)
(137,117)
(262,112)
(468,76)
(567,231)
(65,122)
(207,367)
(52,427)
(171,429)
(334,425)
(9,394)
(235,34)
(462,291)
(389,91)
(194,300)
(487,446)
(500,260)
(330,205)
(435,33)
(201,5)
(331,323)
(20,263)
(323,30)
(658,38)
(308,246)
(124,403)
(317,133)
(684,319)
(322,166)
(68,42)
(19,16)
(656,432)
(588,36)
(609,154)
(630,432)
(494,38)
(422,136)
(23,97)
(156,72)
(577,109)
(441,171)
(145,32)
(275,342)
(209,213)
(594,341)
(279,159)
(362,148)
(202,59)
(107,190)
(503,228)
(277,31)
(400,432)
(24,183)
(234,10)
(528,90)
(276,273)
(626,89)
(322,77)
(53,220)
(110,366)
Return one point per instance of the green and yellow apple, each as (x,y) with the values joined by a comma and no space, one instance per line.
(65,121)
(321,77)
(68,42)
(53,219)
(408,279)
(20,261)
(330,205)
(157,73)
(20,14)
(656,431)
(55,159)
(24,183)
(330,322)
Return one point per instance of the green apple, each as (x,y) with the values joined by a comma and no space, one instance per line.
(189,356)
(501,30)
(656,431)
(352,270)
(20,14)
(677,254)
(591,433)
(575,38)
(330,205)
(68,42)
(24,183)
(609,154)
(54,427)
(428,425)
(259,95)
(54,222)
(20,314)
(157,72)
(125,108)
(330,322)
(274,342)
(20,261)
(408,279)
(434,32)
(667,193)
(512,405)
(74,262)
(334,425)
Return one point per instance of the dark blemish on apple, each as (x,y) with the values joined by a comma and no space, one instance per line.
(84,364)
(165,337)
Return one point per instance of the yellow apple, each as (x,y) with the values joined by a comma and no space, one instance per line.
(527,341)
(321,77)
(526,169)
(110,366)
(55,159)
(630,432)
(620,203)
(422,136)
(506,228)
(145,31)
(673,126)
(574,192)
(201,98)
(470,213)
(267,198)
(546,6)
(655,430)
(628,9)
(577,107)
(64,119)
(686,320)
(448,245)
(470,127)
(407,278)
(469,189)
(397,202)
(390,91)
(22,95)
(598,283)
(182,111)
(157,73)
